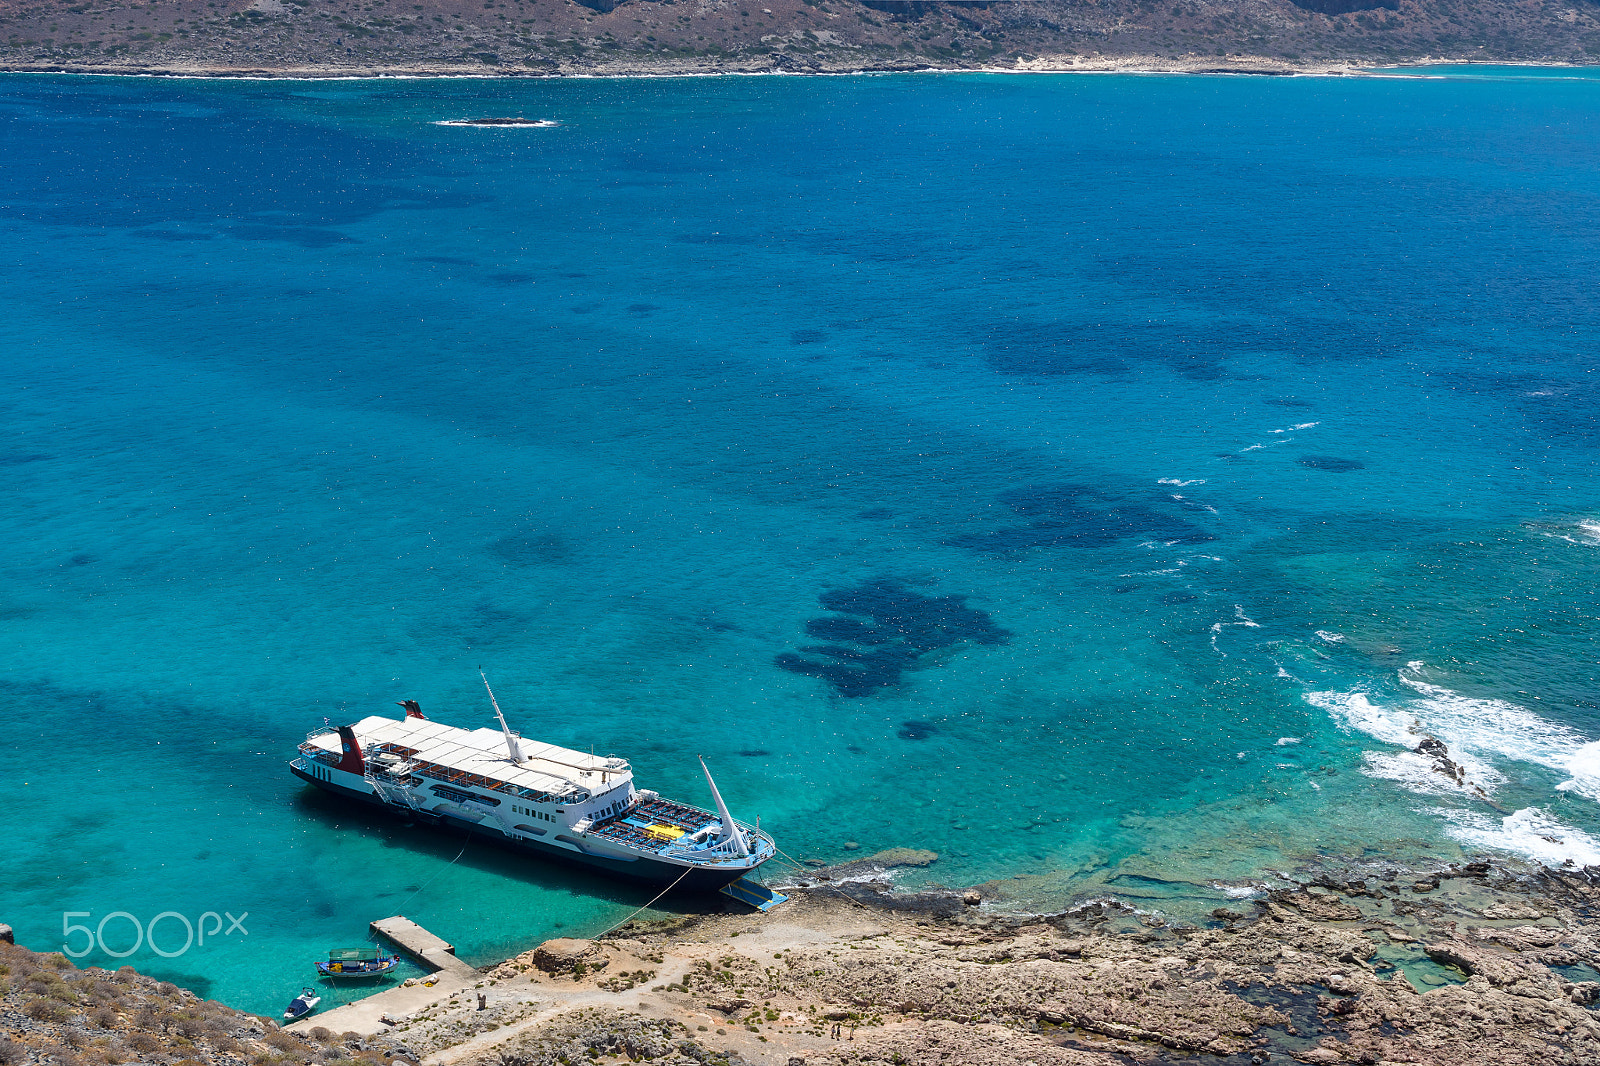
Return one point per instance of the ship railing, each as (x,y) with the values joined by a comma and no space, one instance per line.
(324,731)
(720,850)
(319,754)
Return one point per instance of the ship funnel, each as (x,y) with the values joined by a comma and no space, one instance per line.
(353,759)
(511,739)
(413,709)
(729,830)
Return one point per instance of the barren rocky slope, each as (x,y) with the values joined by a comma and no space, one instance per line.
(505,37)
(1470,964)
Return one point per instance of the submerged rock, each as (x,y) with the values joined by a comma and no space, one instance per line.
(903,857)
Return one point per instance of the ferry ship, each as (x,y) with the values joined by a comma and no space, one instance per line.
(561,804)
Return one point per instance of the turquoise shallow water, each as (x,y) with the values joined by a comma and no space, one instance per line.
(1101,477)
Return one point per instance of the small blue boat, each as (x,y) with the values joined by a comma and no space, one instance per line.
(357,962)
(303,1004)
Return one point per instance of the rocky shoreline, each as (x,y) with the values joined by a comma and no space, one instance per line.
(631,68)
(1470,962)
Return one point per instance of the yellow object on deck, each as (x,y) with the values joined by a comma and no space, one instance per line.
(670,832)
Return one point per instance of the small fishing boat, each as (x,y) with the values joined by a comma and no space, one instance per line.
(303,1004)
(357,962)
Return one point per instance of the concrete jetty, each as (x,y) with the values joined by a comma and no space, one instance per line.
(430,950)
(373,1013)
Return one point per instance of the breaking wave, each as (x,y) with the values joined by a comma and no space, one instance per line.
(1531,831)
(1479,734)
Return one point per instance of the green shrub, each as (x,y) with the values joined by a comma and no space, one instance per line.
(144,1043)
(284,1041)
(47,1010)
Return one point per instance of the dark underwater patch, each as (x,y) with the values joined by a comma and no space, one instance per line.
(448,260)
(19,458)
(173,235)
(1173,598)
(1070,515)
(885,630)
(304,236)
(1330,462)
(755,753)
(715,238)
(876,512)
(1050,349)
(916,729)
(642,310)
(535,547)
(1286,401)
(807,336)
(200,986)
(510,279)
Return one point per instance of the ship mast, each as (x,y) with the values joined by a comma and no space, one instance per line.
(729,830)
(511,741)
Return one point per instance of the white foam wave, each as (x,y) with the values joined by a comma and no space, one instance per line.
(1354,710)
(1285,741)
(1492,727)
(1331,638)
(1422,775)
(1585,532)
(1479,732)
(1307,425)
(1237,891)
(1584,766)
(1531,831)
(543,123)
(1243,620)
(1181,483)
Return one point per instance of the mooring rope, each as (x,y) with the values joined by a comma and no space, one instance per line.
(687,870)
(401,909)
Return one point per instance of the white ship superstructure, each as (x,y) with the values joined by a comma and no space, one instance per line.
(552,800)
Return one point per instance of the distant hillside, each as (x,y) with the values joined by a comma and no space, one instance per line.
(662,36)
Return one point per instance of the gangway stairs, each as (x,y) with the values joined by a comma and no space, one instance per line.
(390,790)
(752,894)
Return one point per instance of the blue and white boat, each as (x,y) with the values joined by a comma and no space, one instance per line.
(302,1005)
(357,962)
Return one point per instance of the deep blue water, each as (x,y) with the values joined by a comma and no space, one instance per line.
(1099,480)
